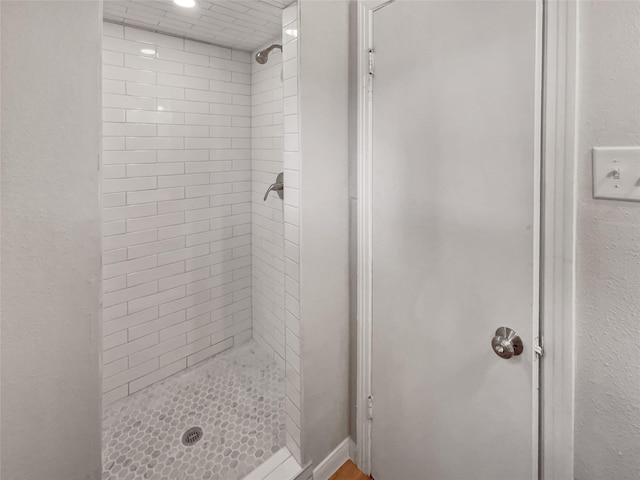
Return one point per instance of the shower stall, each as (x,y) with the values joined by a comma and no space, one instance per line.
(195,346)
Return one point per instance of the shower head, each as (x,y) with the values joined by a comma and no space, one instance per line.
(263,55)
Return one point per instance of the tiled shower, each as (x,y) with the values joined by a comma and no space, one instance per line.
(177,205)
(194,258)
(267,216)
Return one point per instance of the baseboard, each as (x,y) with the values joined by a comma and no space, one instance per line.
(354,455)
(333,462)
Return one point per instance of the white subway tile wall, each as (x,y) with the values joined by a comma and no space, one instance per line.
(291,229)
(267,216)
(177,195)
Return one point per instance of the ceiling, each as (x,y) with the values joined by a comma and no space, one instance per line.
(240,24)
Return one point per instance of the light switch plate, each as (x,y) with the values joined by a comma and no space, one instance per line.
(616,173)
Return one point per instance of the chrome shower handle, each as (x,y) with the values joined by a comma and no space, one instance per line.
(276,187)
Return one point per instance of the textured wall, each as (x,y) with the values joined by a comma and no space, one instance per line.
(607,429)
(50,240)
(324,226)
(177,205)
(267,228)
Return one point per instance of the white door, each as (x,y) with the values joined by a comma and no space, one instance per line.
(455,161)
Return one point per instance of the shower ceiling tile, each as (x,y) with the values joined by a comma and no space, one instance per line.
(239,24)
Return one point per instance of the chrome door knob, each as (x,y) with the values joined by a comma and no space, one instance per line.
(506,343)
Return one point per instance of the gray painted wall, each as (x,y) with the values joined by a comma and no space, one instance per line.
(50,240)
(324,259)
(607,428)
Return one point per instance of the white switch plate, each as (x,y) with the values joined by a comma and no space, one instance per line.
(616,173)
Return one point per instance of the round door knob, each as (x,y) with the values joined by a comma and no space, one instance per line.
(506,343)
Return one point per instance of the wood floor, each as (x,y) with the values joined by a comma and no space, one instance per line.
(349,471)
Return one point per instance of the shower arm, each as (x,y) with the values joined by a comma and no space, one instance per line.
(268,50)
(263,55)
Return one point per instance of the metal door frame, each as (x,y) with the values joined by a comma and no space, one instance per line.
(555,245)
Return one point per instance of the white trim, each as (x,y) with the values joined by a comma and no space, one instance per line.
(353,451)
(537,225)
(559,226)
(364,235)
(557,257)
(332,462)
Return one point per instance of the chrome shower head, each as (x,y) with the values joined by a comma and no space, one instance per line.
(263,55)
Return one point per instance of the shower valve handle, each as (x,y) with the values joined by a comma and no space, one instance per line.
(276,187)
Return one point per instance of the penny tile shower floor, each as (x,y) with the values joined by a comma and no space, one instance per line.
(237,398)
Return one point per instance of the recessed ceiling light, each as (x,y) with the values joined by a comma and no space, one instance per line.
(160,108)
(185,3)
(148,51)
